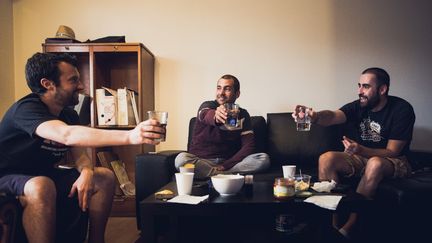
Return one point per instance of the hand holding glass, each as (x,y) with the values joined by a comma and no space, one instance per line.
(162,118)
(303,120)
(233,111)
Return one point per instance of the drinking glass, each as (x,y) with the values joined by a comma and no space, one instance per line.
(303,121)
(233,111)
(162,118)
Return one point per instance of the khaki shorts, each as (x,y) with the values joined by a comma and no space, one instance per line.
(400,164)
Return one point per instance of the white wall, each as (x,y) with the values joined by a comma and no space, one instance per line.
(283,51)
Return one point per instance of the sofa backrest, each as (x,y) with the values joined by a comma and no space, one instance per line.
(285,145)
(259,127)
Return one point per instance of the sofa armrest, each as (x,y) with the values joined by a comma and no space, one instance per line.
(152,171)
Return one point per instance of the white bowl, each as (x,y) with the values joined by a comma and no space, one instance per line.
(227,184)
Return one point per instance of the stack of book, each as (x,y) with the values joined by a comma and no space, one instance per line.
(117,107)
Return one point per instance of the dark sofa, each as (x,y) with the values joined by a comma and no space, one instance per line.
(400,206)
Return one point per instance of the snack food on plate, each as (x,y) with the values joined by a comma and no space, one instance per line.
(164,194)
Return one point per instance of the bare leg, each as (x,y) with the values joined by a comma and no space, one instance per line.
(39,203)
(100,204)
(376,169)
(331,164)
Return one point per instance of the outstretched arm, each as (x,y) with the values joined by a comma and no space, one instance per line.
(323,118)
(327,117)
(83,136)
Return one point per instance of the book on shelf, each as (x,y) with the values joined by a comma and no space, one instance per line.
(126,185)
(105,158)
(126,106)
(106,106)
(83,109)
(134,99)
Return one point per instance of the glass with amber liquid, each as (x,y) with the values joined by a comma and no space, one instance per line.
(283,188)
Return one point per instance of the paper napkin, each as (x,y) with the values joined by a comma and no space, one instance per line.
(324,186)
(325,201)
(188,199)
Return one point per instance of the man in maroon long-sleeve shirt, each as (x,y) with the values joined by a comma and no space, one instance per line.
(217,148)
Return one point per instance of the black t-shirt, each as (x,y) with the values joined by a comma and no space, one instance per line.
(21,150)
(373,129)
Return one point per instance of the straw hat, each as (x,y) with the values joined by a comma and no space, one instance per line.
(65,32)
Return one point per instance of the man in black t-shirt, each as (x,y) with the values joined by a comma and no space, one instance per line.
(379,143)
(35,134)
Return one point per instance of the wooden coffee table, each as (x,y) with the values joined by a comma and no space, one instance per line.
(233,218)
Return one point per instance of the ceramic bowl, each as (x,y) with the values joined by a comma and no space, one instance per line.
(227,184)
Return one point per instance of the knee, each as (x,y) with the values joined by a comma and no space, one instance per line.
(104,177)
(181,159)
(40,189)
(261,159)
(374,167)
(326,160)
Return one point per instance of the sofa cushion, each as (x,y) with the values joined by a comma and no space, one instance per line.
(288,146)
(408,193)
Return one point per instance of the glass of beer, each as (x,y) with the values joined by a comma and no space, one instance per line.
(162,118)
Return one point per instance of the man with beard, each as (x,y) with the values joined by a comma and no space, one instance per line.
(382,136)
(35,134)
(217,147)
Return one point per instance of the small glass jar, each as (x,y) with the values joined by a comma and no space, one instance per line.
(283,188)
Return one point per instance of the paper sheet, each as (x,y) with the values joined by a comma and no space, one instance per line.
(188,199)
(325,201)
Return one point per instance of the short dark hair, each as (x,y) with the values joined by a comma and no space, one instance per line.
(45,65)
(383,78)
(233,78)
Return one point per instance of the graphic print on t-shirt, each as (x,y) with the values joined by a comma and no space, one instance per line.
(56,149)
(370,130)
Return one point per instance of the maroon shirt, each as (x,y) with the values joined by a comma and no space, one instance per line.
(211,140)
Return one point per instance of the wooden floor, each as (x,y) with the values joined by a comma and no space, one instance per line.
(121,230)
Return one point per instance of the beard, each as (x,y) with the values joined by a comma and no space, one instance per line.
(67,99)
(369,102)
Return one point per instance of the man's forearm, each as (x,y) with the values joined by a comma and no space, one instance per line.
(91,137)
(328,117)
(82,161)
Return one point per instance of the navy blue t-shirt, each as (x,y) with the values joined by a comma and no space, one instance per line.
(373,129)
(21,150)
